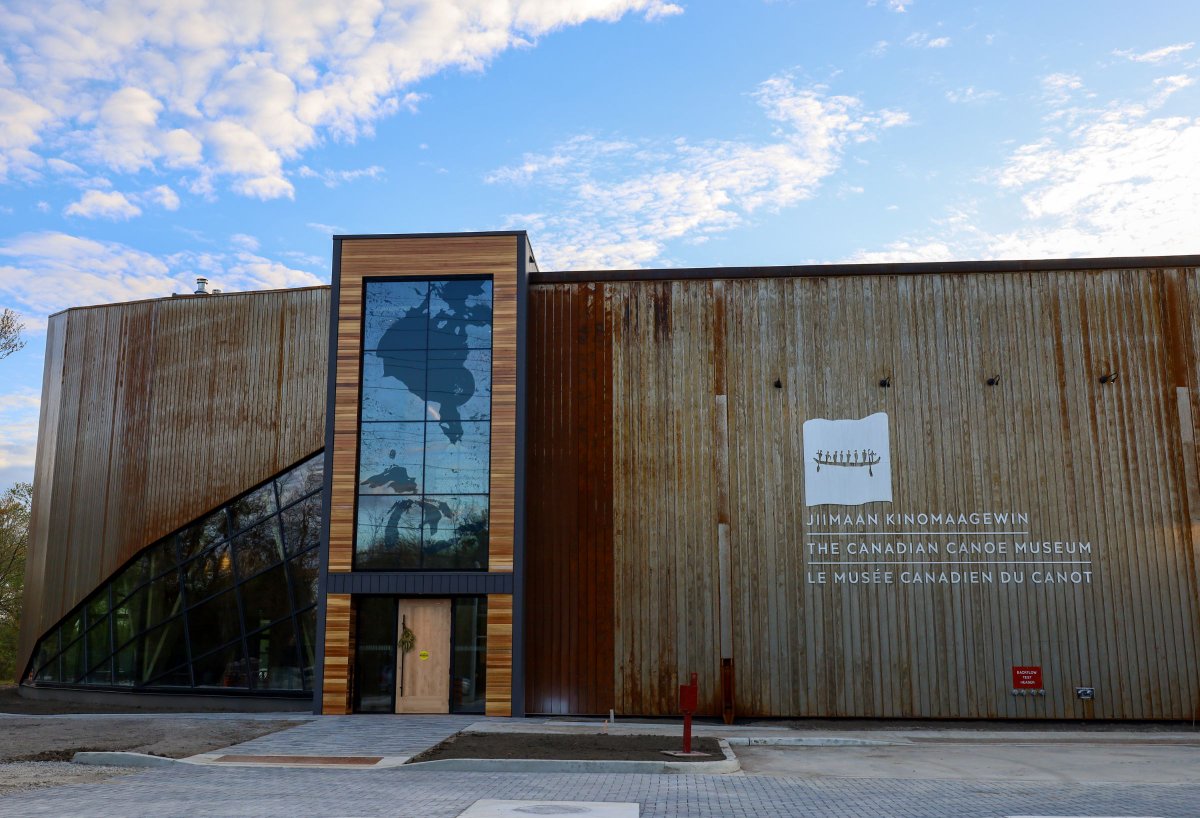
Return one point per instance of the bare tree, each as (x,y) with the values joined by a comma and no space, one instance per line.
(11,328)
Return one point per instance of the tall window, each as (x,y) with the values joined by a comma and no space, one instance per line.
(424,442)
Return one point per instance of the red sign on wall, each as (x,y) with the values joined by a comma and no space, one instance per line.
(1027,677)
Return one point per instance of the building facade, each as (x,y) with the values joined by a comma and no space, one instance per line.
(451,482)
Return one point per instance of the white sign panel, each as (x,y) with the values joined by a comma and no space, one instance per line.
(847,462)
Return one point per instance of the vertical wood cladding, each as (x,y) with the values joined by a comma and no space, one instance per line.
(499,661)
(694,404)
(569,566)
(491,255)
(155,412)
(338,662)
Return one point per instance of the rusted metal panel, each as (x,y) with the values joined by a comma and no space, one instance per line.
(713,375)
(155,412)
(569,567)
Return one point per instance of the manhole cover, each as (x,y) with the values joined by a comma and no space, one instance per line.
(494,808)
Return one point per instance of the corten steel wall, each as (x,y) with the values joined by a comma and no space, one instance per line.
(667,523)
(154,412)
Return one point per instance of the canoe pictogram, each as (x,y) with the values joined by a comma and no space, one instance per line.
(848,458)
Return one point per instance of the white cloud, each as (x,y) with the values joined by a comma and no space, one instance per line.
(1122,180)
(42,273)
(243,241)
(329,229)
(898,6)
(333,178)
(1058,87)
(970,94)
(1157,55)
(162,196)
(19,418)
(921,39)
(645,194)
(237,91)
(98,204)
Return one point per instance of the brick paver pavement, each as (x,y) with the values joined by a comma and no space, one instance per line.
(251,792)
(373,735)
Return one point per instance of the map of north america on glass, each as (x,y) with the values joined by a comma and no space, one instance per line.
(426,410)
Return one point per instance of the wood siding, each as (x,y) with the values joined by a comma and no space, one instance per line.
(707,461)
(155,412)
(338,662)
(499,662)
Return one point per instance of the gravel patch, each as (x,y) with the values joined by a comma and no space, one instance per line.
(28,775)
(46,738)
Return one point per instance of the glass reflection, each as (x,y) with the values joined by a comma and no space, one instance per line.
(253,507)
(225,667)
(213,623)
(460,384)
(389,458)
(275,657)
(301,481)
(302,525)
(259,548)
(208,574)
(265,598)
(459,467)
(393,386)
(135,634)
(396,315)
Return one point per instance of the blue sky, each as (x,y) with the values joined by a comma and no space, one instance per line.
(144,143)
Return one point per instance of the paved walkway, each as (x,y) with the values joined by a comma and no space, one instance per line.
(373,735)
(248,792)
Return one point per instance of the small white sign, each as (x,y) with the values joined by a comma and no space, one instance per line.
(847,462)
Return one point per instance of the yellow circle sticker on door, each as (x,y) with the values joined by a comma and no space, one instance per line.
(423,655)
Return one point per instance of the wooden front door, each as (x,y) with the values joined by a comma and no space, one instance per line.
(423,669)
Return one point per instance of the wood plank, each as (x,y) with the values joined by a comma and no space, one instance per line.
(499,662)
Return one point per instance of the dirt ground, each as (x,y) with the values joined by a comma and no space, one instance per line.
(35,751)
(45,738)
(566,746)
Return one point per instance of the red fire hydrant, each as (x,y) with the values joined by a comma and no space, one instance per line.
(687,706)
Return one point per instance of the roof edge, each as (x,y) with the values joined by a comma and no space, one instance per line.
(187,297)
(871,269)
(468,234)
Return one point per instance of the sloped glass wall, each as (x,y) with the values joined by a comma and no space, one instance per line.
(227,604)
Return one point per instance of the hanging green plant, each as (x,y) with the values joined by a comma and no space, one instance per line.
(408,640)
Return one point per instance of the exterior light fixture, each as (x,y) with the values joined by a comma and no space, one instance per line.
(885,382)
(1110,377)
(994,380)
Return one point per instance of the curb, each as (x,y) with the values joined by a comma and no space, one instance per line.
(729,764)
(788,741)
(120,759)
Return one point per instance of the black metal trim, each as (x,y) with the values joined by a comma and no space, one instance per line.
(335,289)
(524,255)
(419,583)
(468,234)
(879,269)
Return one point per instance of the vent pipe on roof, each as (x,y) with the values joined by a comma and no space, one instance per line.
(202,286)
